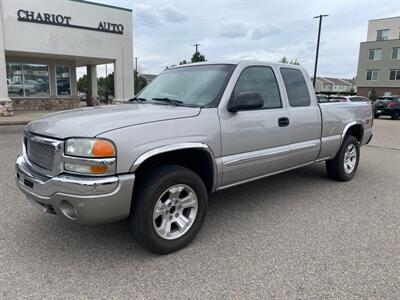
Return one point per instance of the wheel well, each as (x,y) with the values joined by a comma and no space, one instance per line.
(357,131)
(198,160)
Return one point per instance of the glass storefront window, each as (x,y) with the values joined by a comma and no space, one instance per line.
(63,80)
(28,80)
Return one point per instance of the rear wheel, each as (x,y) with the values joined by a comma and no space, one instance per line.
(396,115)
(168,208)
(345,164)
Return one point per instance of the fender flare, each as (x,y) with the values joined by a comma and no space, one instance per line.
(174,147)
(346,128)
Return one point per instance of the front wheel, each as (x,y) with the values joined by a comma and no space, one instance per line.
(345,164)
(376,116)
(396,115)
(168,208)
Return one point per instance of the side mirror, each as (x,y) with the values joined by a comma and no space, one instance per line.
(245,101)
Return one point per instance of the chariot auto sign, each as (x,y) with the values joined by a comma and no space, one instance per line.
(65,21)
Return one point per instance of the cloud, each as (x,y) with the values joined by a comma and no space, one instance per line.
(171,14)
(259,33)
(146,15)
(233,30)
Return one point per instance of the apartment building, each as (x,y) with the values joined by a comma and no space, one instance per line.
(379,58)
(329,85)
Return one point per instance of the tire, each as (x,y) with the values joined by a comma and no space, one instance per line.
(376,116)
(396,115)
(336,168)
(156,189)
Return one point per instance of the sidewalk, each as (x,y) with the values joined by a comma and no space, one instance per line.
(24,117)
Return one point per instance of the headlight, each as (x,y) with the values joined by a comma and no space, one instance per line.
(83,147)
(89,156)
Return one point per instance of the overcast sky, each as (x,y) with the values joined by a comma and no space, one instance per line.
(165,31)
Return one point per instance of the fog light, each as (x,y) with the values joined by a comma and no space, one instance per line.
(68,210)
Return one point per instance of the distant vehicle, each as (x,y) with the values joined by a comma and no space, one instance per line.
(387,106)
(322,99)
(17,88)
(348,99)
(63,86)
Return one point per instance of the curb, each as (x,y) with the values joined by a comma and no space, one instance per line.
(11,122)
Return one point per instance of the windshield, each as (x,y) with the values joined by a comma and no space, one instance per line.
(192,86)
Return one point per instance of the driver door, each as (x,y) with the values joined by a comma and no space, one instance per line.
(255,142)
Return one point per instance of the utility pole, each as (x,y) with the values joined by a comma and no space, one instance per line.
(136,76)
(316,56)
(197,47)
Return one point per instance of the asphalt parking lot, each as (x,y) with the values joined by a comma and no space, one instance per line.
(295,235)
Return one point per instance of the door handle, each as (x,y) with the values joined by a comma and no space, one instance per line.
(283,122)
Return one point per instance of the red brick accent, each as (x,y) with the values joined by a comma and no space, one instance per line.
(380,91)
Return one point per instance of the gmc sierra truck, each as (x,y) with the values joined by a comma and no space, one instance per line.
(194,130)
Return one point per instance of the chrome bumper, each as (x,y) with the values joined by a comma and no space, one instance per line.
(85,200)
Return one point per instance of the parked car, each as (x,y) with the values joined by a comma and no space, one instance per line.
(17,88)
(348,99)
(387,106)
(196,129)
(322,99)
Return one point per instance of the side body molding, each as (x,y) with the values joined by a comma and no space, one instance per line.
(181,146)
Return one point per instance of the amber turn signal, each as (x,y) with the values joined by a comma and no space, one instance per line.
(102,148)
(101,169)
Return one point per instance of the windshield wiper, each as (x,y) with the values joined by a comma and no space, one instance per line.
(168,100)
(137,99)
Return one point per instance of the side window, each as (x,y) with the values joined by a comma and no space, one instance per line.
(261,80)
(296,87)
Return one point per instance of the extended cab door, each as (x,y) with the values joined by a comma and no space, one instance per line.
(305,117)
(254,142)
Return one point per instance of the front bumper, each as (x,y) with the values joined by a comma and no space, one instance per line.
(85,200)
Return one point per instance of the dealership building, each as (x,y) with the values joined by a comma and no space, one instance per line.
(43,42)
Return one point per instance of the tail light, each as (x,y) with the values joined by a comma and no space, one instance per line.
(392,104)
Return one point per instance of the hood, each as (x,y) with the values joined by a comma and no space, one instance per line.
(92,121)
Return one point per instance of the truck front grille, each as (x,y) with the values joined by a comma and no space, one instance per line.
(40,154)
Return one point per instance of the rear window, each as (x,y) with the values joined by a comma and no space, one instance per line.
(296,87)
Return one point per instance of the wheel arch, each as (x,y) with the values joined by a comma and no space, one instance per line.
(355,129)
(195,156)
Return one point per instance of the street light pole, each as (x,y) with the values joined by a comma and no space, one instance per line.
(197,47)
(316,56)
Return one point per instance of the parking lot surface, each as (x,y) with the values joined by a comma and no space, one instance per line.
(294,235)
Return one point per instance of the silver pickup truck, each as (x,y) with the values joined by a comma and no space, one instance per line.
(194,130)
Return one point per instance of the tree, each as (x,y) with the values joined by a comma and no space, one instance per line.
(105,86)
(140,82)
(82,84)
(197,57)
(183,62)
(284,60)
(372,95)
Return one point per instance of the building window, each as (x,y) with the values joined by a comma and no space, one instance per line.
(28,80)
(63,80)
(382,35)
(372,75)
(396,53)
(374,54)
(394,75)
